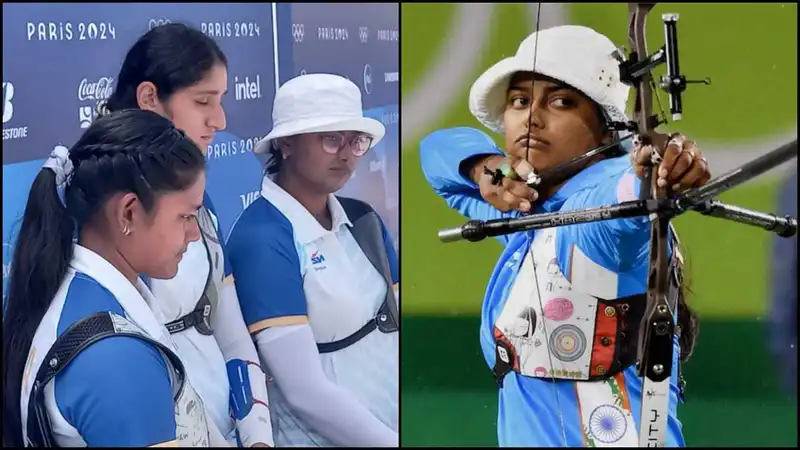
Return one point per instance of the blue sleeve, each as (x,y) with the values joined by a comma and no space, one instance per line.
(265,263)
(117,391)
(441,154)
(619,245)
(391,253)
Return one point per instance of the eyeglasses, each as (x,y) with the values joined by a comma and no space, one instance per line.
(333,143)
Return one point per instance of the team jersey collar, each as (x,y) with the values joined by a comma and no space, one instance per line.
(306,228)
(136,300)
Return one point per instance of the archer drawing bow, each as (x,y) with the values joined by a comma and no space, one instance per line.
(655,341)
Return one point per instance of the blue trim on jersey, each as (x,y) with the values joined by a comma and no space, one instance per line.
(265,263)
(527,413)
(117,391)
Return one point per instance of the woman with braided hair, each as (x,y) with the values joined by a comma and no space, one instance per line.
(577,385)
(181,74)
(87,360)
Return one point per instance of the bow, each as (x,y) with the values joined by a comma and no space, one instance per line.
(654,359)
(657,329)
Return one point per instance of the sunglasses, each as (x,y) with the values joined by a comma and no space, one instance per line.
(333,143)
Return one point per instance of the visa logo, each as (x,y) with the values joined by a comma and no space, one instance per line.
(249,198)
(317,258)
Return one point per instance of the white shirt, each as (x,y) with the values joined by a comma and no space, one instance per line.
(291,270)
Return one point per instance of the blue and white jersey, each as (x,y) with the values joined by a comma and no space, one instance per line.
(290,270)
(574,265)
(116,392)
(205,363)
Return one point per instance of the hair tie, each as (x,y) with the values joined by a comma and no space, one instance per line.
(60,163)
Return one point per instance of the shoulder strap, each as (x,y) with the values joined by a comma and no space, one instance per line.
(380,322)
(200,317)
(74,340)
(368,233)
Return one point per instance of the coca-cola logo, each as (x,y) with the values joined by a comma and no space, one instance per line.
(95,90)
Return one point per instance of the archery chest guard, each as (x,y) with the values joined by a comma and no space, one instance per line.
(611,345)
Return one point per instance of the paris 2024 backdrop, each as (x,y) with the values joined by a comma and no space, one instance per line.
(59,60)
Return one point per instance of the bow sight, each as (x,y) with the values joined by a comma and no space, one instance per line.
(632,69)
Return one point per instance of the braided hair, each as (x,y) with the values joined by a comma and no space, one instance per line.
(127,151)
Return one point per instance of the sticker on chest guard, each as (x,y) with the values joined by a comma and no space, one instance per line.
(568,343)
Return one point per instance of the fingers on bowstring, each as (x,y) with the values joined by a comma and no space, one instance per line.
(515,202)
(522,167)
(520,189)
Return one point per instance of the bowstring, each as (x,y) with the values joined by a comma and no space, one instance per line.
(533,257)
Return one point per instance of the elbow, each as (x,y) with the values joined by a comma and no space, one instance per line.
(430,149)
(303,399)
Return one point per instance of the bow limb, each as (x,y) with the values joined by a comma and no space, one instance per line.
(654,360)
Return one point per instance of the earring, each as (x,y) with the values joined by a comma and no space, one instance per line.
(284,155)
(126,231)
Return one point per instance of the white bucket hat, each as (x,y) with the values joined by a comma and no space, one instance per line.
(319,102)
(575,55)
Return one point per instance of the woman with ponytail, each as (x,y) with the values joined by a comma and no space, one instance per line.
(130,189)
(181,74)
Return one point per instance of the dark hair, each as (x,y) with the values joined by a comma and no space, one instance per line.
(128,151)
(172,57)
(687,319)
(275,158)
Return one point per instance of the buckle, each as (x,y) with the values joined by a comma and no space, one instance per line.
(504,357)
(201,322)
(384,320)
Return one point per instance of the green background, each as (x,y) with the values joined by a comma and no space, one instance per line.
(750,53)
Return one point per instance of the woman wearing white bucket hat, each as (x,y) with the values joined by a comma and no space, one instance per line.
(315,274)
(570,384)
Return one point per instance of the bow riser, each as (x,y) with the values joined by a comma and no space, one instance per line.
(658,326)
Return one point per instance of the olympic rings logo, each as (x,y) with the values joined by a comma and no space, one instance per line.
(298,31)
(152,23)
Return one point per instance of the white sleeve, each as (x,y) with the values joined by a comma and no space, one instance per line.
(290,352)
(250,403)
